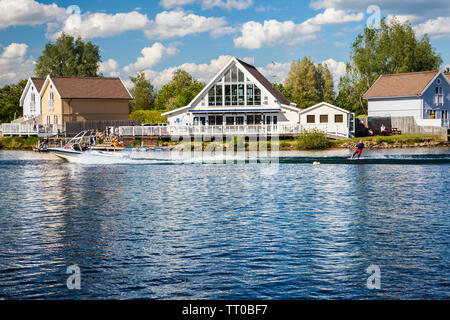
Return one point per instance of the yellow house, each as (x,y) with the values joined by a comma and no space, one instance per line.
(66,99)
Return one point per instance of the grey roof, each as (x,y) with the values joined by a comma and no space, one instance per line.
(269,87)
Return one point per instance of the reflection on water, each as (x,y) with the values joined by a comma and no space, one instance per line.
(223,231)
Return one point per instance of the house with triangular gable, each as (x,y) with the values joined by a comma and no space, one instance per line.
(238,95)
(30,100)
(423,95)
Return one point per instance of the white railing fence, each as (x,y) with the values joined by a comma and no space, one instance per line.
(178,130)
(29,129)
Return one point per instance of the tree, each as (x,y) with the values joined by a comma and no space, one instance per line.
(143,93)
(178,92)
(280,87)
(326,83)
(69,57)
(307,84)
(10,101)
(148,116)
(393,48)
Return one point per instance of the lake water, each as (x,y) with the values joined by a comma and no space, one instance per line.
(167,230)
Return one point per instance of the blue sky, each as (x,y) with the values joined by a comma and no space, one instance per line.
(199,35)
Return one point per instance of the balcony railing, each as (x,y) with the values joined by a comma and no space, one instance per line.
(14,129)
(229,130)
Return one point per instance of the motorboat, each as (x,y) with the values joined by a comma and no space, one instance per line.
(78,148)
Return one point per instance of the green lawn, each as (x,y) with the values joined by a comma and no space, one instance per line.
(409,139)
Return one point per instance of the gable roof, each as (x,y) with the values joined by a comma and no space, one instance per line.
(253,72)
(323,103)
(89,88)
(266,83)
(38,83)
(401,84)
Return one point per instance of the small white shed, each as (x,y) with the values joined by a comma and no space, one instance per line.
(328,118)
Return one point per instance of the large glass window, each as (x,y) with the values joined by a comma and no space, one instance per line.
(228,94)
(257,96)
(237,90)
(241,96)
(250,94)
(234,94)
(212,96)
(219,96)
(240,76)
(234,73)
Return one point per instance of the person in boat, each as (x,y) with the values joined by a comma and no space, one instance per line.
(84,147)
(359,149)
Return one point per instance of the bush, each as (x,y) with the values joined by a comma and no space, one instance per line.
(285,144)
(313,139)
(148,116)
(18,142)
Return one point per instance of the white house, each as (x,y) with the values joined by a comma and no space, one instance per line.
(31,99)
(329,118)
(422,95)
(238,95)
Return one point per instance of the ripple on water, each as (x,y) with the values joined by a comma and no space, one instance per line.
(222,231)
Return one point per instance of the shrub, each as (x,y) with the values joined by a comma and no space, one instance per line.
(313,139)
(148,116)
(285,144)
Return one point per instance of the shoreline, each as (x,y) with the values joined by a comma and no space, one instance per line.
(371,143)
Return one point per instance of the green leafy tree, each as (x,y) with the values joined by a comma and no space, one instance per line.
(308,84)
(10,101)
(280,87)
(142,92)
(178,92)
(69,57)
(148,116)
(393,48)
(326,84)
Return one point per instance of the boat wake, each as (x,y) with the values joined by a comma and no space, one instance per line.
(167,157)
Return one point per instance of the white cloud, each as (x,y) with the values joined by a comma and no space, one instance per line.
(178,23)
(337,69)
(203,72)
(109,68)
(333,16)
(419,9)
(276,72)
(101,25)
(255,35)
(402,18)
(209,4)
(27,12)
(436,28)
(150,57)
(219,32)
(14,64)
